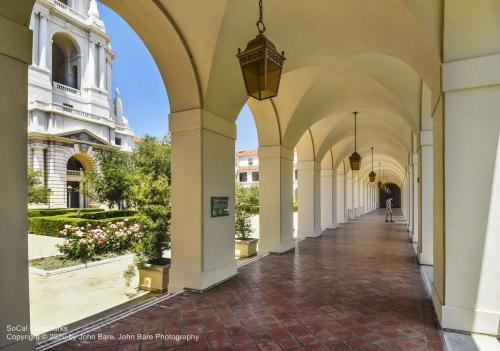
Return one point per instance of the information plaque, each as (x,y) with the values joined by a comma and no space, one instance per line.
(220,206)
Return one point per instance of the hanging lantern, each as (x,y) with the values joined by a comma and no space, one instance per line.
(355,158)
(372,174)
(261,64)
(379,183)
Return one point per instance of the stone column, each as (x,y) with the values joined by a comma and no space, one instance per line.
(335,222)
(471,239)
(38,159)
(349,198)
(341,218)
(202,168)
(410,197)
(426,184)
(109,80)
(36,36)
(326,199)
(102,67)
(309,199)
(43,41)
(92,65)
(356,195)
(275,199)
(416,199)
(15,57)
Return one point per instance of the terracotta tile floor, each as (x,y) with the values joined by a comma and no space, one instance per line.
(355,288)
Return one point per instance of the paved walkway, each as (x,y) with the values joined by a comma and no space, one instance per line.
(354,288)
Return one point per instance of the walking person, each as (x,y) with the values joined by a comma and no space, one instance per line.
(388,209)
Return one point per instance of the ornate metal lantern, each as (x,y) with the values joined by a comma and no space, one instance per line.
(379,183)
(372,174)
(355,158)
(261,64)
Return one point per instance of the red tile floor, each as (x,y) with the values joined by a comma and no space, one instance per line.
(354,288)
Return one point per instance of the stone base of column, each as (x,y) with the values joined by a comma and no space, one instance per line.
(425,259)
(309,236)
(470,320)
(276,247)
(201,281)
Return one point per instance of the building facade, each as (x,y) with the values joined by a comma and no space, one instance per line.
(71,109)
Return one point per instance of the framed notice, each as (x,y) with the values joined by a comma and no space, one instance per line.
(220,206)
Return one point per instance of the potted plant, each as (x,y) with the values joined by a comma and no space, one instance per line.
(245,245)
(153,203)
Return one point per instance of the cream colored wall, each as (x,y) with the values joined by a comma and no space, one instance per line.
(326,199)
(15,56)
(472,218)
(309,199)
(471,142)
(275,200)
(202,246)
(438,284)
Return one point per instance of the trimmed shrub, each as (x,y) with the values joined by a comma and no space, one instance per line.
(107,214)
(51,226)
(59,211)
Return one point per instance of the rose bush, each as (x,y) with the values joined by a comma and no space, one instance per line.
(84,243)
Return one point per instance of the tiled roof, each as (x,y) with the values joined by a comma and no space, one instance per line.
(246,153)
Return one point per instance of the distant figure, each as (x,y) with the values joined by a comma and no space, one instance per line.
(388,209)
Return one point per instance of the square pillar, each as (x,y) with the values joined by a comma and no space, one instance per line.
(328,199)
(426,183)
(275,200)
(416,199)
(15,57)
(341,218)
(309,199)
(202,168)
(470,298)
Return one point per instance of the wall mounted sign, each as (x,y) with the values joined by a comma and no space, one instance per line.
(220,206)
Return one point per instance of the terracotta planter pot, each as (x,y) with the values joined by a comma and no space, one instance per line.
(246,248)
(154,277)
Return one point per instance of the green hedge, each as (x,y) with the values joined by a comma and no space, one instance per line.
(59,211)
(106,214)
(52,225)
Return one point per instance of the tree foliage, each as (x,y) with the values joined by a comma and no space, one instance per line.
(112,183)
(151,194)
(245,199)
(37,192)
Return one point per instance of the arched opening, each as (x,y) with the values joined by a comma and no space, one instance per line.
(75,197)
(65,61)
(394,192)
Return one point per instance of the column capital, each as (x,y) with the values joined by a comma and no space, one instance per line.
(201,119)
(426,138)
(275,151)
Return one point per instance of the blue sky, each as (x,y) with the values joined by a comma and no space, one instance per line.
(145,99)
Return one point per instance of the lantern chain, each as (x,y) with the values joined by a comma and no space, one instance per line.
(355,137)
(260,23)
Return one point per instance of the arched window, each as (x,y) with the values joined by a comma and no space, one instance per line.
(74,164)
(65,61)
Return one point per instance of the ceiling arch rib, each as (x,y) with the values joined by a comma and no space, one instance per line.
(340,91)
(371,124)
